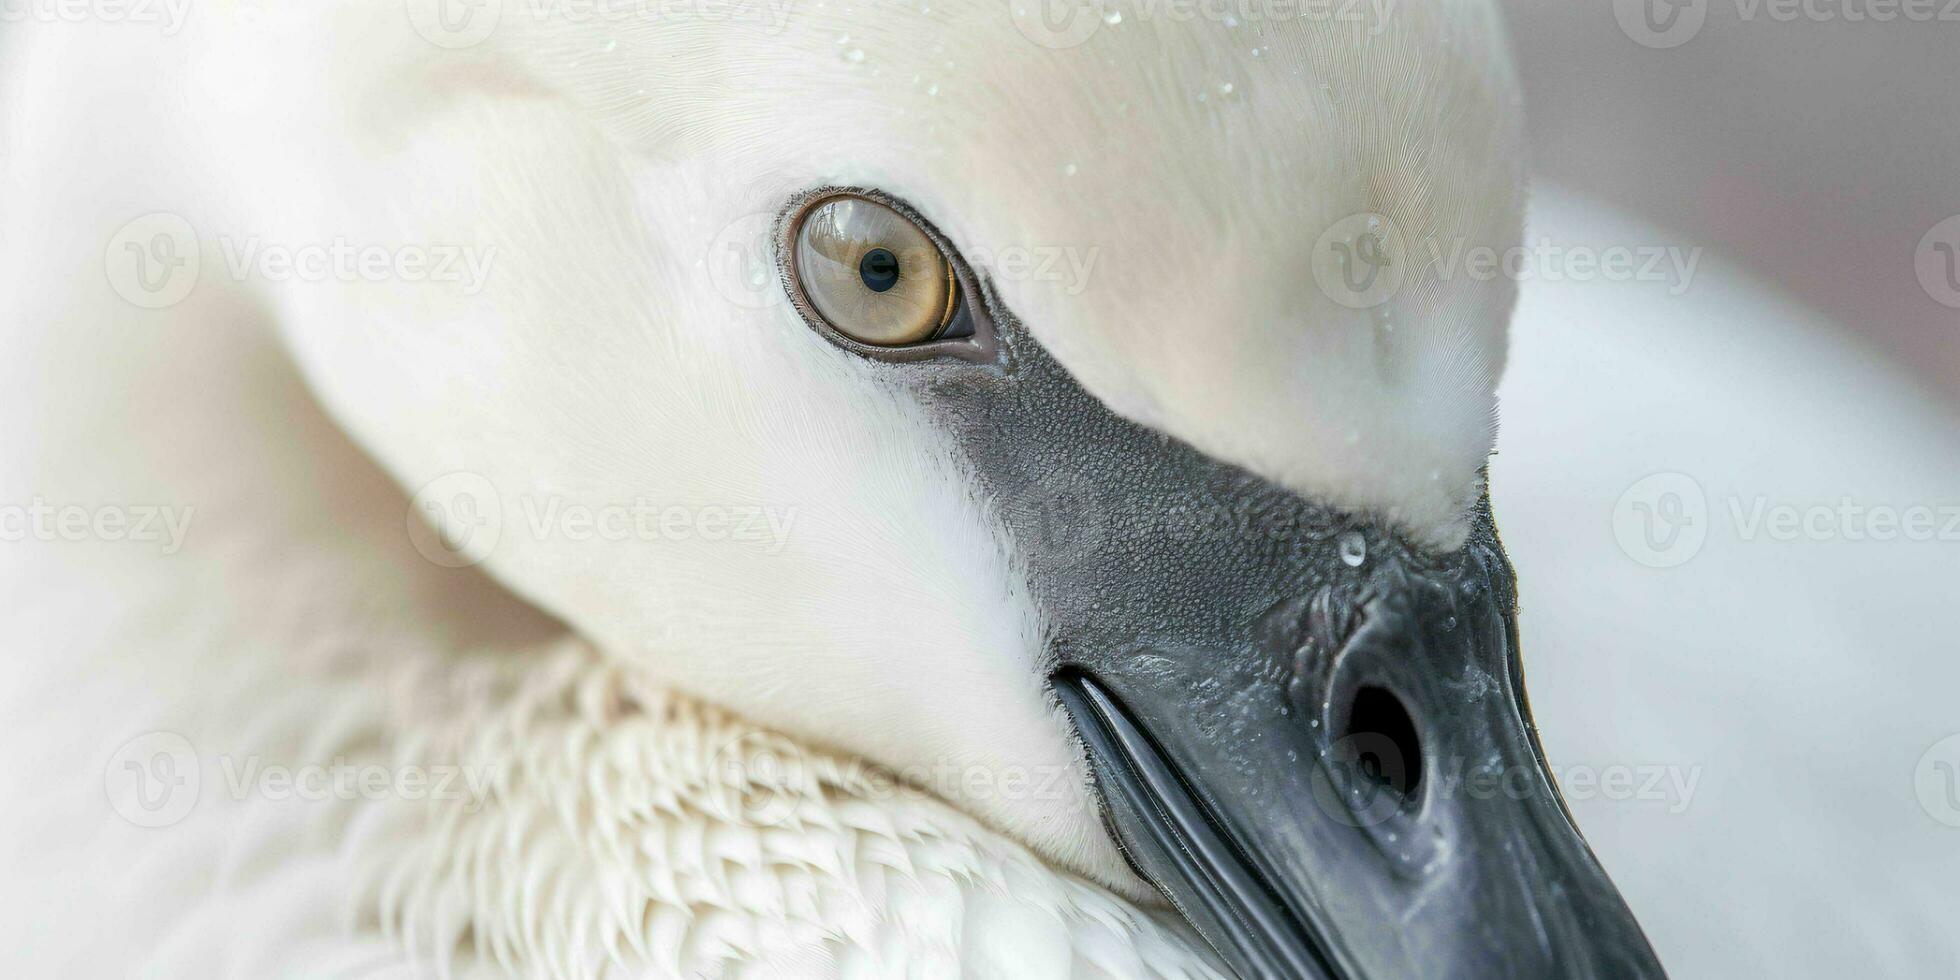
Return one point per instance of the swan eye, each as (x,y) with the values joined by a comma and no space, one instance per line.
(873,274)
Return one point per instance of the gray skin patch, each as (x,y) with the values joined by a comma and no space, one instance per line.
(1290,734)
(1133,539)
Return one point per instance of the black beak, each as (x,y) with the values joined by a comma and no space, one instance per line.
(1358,792)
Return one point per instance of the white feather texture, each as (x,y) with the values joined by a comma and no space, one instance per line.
(574,816)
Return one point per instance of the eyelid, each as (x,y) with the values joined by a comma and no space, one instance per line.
(969,333)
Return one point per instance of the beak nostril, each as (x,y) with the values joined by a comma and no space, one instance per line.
(1387,749)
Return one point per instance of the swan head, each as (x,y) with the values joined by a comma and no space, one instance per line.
(1138,483)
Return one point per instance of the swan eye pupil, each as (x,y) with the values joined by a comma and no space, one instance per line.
(879,270)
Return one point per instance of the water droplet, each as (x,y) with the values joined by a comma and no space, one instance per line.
(1255,52)
(1225,88)
(1113,18)
(932,91)
(854,56)
(1354,549)
(612,46)
(1068,170)
(1354,437)
(1231,21)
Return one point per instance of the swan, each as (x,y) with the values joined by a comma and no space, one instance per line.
(1080,561)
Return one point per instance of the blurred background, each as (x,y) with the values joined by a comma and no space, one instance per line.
(1797,687)
(1815,153)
